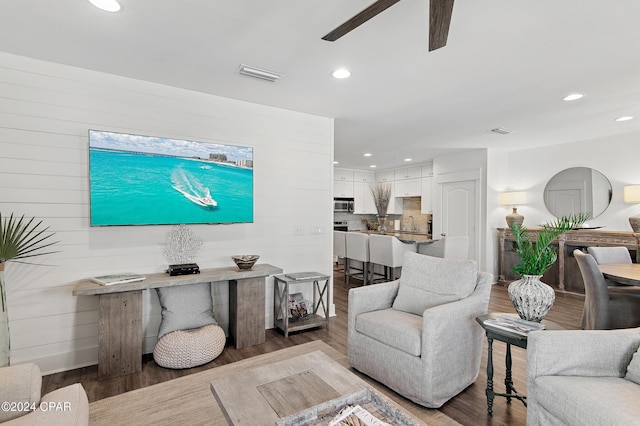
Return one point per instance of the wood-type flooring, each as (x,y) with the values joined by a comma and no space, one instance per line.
(467,408)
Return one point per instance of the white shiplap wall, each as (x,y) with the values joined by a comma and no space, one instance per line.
(46,110)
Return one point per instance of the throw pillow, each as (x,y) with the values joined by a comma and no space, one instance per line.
(633,369)
(185,307)
(428,281)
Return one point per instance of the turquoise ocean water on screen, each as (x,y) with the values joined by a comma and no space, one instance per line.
(129,188)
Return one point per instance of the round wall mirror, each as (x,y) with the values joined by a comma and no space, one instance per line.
(576,190)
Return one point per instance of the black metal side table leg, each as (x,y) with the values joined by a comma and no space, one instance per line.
(490,393)
(508,379)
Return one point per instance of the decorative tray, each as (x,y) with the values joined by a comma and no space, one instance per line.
(381,407)
(578,228)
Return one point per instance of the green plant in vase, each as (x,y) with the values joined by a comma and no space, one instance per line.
(20,238)
(531,297)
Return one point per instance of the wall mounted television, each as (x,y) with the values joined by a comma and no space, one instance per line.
(145,180)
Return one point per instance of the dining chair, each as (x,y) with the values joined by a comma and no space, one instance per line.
(605,255)
(357,244)
(606,307)
(456,248)
(388,251)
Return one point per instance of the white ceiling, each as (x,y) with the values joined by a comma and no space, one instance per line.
(507,63)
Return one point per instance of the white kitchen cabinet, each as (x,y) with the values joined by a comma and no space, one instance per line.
(342,189)
(408,188)
(367,177)
(408,173)
(342,175)
(395,204)
(426,206)
(427,170)
(363,200)
(385,176)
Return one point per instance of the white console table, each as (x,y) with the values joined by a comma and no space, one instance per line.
(120,312)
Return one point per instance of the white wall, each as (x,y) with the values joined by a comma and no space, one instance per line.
(46,110)
(497,181)
(530,170)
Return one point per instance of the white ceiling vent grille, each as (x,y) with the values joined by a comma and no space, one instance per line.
(259,73)
(501,131)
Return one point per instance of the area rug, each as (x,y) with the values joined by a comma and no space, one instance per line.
(189,401)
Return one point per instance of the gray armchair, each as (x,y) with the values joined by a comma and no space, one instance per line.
(418,335)
(21,385)
(576,377)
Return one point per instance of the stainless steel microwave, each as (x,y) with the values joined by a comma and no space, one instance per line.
(344,205)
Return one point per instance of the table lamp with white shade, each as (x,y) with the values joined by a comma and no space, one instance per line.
(513,199)
(631,194)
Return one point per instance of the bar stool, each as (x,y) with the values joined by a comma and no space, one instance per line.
(388,251)
(457,248)
(448,247)
(340,247)
(357,244)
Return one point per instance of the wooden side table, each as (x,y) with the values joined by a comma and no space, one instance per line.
(510,338)
(321,298)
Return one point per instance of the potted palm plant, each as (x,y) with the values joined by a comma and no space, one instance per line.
(531,297)
(381,193)
(20,239)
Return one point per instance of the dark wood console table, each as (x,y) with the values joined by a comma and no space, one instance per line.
(120,312)
(565,275)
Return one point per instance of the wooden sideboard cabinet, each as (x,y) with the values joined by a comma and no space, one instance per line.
(565,275)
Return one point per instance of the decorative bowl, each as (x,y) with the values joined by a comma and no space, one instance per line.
(245,261)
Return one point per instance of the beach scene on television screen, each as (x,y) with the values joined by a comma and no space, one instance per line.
(144,180)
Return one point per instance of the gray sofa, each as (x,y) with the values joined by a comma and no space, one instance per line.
(576,377)
(418,335)
(20,387)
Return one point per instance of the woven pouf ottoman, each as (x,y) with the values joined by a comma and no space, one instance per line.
(189,348)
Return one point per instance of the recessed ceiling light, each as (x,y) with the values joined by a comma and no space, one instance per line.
(336,162)
(624,118)
(573,97)
(368,154)
(341,73)
(407,159)
(106,5)
(373,166)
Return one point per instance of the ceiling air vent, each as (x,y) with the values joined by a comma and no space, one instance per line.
(262,74)
(501,131)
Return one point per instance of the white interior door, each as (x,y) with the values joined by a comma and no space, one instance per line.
(460,212)
(563,201)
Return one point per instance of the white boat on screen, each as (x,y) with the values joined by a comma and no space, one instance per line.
(192,189)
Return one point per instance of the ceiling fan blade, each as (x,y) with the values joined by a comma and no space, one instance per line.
(360,19)
(439,19)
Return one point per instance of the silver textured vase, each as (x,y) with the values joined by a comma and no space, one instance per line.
(531,297)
